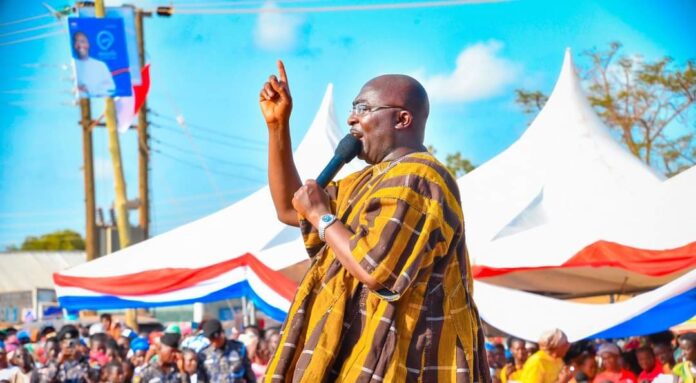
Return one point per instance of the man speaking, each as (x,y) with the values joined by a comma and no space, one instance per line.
(388,297)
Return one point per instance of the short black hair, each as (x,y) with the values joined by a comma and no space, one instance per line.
(663,337)
(647,349)
(99,337)
(513,339)
(689,337)
(105,315)
(74,36)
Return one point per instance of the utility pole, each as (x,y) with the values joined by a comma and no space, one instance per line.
(120,199)
(91,240)
(143,139)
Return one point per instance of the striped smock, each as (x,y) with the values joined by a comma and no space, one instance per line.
(408,233)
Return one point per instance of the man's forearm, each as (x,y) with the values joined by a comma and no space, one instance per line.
(283,178)
(338,238)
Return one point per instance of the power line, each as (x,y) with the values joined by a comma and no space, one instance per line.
(45,26)
(204,138)
(180,120)
(199,166)
(221,160)
(37,37)
(212,131)
(332,8)
(37,17)
(243,2)
(205,196)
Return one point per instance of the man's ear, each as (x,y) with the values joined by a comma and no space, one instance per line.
(404,119)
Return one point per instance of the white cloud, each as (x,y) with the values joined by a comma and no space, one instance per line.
(277,31)
(479,73)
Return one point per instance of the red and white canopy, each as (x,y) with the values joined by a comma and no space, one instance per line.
(567,210)
(230,253)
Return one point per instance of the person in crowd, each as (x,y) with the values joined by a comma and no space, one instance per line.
(113,351)
(49,351)
(546,365)
(6,370)
(513,371)
(113,373)
(686,370)
(256,350)
(272,337)
(128,370)
(164,369)
(586,368)
(492,362)
(71,366)
(124,340)
(97,350)
(109,327)
(612,370)
(24,362)
(665,354)
(661,343)
(225,360)
(650,366)
(191,368)
(139,347)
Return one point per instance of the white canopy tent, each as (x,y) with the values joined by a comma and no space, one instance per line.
(565,209)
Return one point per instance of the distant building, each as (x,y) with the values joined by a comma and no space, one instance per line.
(26,283)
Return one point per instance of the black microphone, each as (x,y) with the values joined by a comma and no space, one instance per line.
(347,149)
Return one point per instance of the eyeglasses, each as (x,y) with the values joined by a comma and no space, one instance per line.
(362,109)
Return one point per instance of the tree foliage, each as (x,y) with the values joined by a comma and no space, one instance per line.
(648,104)
(455,162)
(56,241)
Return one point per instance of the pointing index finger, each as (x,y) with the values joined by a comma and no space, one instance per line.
(281,72)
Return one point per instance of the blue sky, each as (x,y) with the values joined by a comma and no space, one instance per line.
(209,68)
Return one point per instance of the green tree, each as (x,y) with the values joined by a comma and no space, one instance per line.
(646,104)
(58,240)
(455,162)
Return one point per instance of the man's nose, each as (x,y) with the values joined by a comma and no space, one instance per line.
(352,119)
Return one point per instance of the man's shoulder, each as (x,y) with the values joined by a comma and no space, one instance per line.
(423,167)
(422,174)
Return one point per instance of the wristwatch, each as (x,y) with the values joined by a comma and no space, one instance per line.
(325,221)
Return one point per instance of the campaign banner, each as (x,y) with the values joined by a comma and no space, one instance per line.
(100,57)
(127,14)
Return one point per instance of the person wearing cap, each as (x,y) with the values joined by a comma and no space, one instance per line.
(139,348)
(612,370)
(164,369)
(71,366)
(225,360)
(124,341)
(546,365)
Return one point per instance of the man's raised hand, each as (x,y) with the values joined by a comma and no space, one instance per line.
(275,99)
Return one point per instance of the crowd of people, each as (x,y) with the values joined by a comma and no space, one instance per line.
(104,352)
(659,358)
